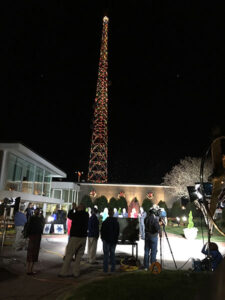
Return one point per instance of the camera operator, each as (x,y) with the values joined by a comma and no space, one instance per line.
(152,230)
(209,263)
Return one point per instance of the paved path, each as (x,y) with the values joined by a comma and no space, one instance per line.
(16,285)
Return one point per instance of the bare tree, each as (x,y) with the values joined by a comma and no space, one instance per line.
(186,173)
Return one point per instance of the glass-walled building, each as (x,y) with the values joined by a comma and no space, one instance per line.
(25,174)
(26,177)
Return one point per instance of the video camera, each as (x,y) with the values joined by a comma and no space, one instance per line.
(156,211)
(9,202)
(202,265)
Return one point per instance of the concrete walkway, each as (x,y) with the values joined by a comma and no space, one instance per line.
(15,284)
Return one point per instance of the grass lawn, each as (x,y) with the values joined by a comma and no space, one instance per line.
(216,237)
(143,285)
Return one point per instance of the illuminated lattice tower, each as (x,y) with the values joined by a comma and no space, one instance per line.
(97,171)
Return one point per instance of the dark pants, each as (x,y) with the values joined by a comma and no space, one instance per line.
(151,244)
(109,252)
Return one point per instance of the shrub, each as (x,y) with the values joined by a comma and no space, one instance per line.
(122,203)
(190,220)
(146,204)
(86,200)
(113,203)
(101,202)
(176,210)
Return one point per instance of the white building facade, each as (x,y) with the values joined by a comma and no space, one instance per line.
(25,174)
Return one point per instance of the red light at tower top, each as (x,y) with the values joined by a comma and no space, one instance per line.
(97,171)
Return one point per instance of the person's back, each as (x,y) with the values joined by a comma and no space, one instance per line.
(35,225)
(109,236)
(79,223)
(77,241)
(29,211)
(152,225)
(20,221)
(20,218)
(93,235)
(93,226)
(110,230)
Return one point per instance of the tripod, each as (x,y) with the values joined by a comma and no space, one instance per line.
(164,230)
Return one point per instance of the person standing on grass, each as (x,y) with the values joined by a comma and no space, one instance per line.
(77,241)
(34,232)
(152,230)
(93,235)
(109,236)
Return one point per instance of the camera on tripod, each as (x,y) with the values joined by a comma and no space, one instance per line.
(156,211)
(9,202)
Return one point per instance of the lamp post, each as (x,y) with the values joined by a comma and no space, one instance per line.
(79,173)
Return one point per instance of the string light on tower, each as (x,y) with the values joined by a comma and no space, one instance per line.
(97,171)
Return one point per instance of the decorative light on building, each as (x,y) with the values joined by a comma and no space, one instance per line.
(121,195)
(150,195)
(93,193)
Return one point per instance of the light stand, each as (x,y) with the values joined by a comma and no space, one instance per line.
(4,228)
(205,203)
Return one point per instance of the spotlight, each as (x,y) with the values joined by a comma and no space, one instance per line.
(50,219)
(178,220)
(198,191)
(192,193)
(184,219)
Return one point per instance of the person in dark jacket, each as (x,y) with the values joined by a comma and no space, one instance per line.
(93,235)
(29,211)
(34,231)
(77,241)
(214,254)
(109,236)
(152,230)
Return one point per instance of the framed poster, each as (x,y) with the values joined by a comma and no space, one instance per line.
(47,228)
(58,229)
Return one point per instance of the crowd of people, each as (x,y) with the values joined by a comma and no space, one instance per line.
(86,228)
(83,226)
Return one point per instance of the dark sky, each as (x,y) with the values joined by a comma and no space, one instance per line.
(167,74)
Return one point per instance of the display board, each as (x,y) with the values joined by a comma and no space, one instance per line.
(129,229)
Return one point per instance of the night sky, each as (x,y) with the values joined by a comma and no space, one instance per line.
(166,73)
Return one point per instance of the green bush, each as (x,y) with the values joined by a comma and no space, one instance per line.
(101,202)
(122,203)
(146,204)
(113,202)
(86,200)
(176,210)
(190,220)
